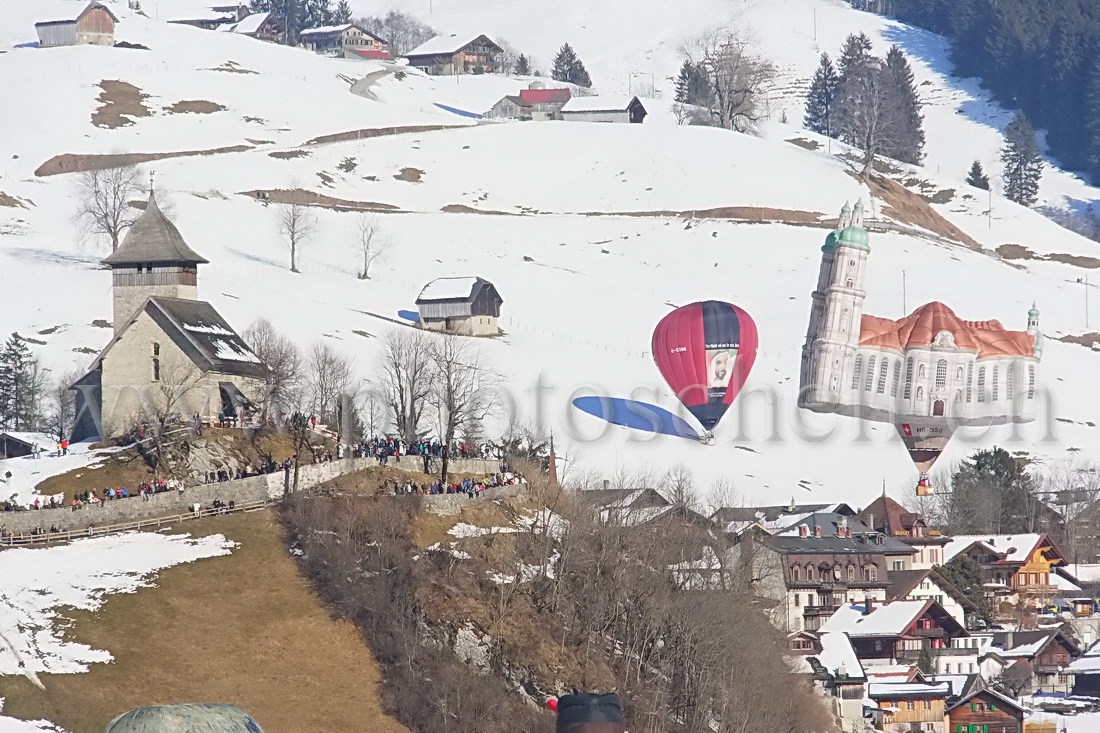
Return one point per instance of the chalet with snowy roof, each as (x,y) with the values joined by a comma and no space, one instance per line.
(1086,672)
(94,25)
(171,354)
(830,662)
(1017,567)
(469,306)
(210,17)
(15,444)
(340,40)
(907,706)
(915,371)
(535,103)
(817,563)
(453,54)
(927,584)
(262,26)
(892,519)
(734,519)
(984,709)
(604,109)
(1045,655)
(896,631)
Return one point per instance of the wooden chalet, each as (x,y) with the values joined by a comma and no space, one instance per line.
(984,710)
(1017,567)
(909,706)
(339,40)
(451,55)
(896,630)
(1045,654)
(469,306)
(94,25)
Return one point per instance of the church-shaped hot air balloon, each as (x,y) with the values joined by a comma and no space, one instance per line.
(705,352)
(927,373)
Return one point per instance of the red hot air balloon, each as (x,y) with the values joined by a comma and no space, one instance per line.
(705,352)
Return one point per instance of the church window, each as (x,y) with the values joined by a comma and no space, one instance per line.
(981,384)
(156,362)
(882,372)
(908,378)
(1010,381)
(896,379)
(1031,381)
(941,373)
(858,371)
(870,374)
(995,370)
(969,381)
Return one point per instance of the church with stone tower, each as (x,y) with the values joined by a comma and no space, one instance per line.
(930,363)
(171,353)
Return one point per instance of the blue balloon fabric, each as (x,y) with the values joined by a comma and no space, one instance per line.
(636,415)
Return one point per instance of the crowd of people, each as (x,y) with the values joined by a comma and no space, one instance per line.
(467,486)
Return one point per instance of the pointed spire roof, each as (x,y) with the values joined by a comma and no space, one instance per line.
(1034,312)
(151,240)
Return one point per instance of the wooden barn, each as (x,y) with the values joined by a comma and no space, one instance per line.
(469,306)
(16,445)
(450,55)
(985,710)
(604,109)
(339,39)
(95,25)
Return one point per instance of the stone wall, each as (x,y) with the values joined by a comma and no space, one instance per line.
(446,505)
(254,488)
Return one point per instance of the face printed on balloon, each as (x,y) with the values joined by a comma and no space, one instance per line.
(718,372)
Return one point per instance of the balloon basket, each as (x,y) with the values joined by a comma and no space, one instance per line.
(924,486)
(707,438)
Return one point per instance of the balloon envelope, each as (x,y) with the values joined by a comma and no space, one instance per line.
(705,352)
(636,415)
(925,438)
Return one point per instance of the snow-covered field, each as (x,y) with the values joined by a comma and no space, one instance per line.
(27,472)
(581,291)
(36,583)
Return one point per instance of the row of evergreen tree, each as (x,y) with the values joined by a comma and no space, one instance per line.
(1040,56)
(21,387)
(868,102)
(297,15)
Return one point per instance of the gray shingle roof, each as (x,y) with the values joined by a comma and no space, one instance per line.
(197,322)
(152,239)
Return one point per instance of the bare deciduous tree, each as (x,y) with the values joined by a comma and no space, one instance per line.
(298,225)
(404,378)
(104,201)
(402,31)
(738,78)
(370,242)
(61,408)
(330,382)
(284,366)
(867,113)
(462,393)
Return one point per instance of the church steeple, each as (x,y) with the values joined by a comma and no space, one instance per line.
(153,260)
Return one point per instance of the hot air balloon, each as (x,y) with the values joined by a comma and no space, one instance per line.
(924,438)
(705,352)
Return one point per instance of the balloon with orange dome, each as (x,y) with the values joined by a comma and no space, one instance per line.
(927,373)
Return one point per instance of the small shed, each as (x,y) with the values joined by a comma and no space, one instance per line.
(469,306)
(17,445)
(451,55)
(510,108)
(604,109)
(94,25)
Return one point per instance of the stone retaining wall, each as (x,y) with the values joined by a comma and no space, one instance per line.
(447,505)
(254,488)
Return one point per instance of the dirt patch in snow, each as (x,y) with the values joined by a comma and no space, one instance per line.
(6,200)
(75,163)
(120,101)
(762,214)
(909,208)
(310,198)
(287,154)
(409,175)
(375,132)
(1088,340)
(234,68)
(194,106)
(1021,252)
(805,143)
(464,209)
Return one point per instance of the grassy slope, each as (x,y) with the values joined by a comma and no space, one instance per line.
(243,629)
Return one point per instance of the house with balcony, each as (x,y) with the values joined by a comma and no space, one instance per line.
(986,710)
(450,55)
(1018,568)
(895,632)
(893,520)
(1046,655)
(814,565)
(926,583)
(905,707)
(341,40)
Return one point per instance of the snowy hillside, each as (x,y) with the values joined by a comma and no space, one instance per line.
(581,232)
